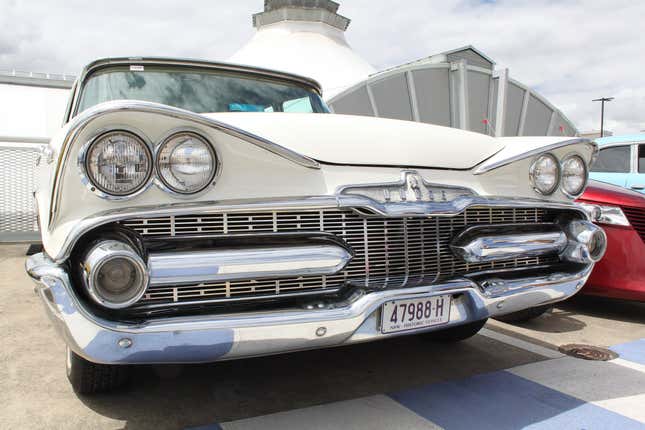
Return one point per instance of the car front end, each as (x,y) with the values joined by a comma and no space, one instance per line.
(172,236)
(621,213)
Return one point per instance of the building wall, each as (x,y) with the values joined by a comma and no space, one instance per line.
(31,112)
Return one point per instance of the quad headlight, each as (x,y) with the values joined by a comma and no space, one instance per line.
(545,174)
(574,175)
(548,172)
(117,163)
(186,163)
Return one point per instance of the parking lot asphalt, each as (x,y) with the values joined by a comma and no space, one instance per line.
(404,382)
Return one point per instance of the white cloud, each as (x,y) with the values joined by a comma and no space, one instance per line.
(571,51)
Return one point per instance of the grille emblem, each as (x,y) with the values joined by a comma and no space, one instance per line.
(412,188)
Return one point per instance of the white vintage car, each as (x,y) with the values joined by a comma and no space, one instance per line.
(194,211)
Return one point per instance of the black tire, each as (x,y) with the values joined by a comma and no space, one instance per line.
(91,378)
(524,315)
(456,334)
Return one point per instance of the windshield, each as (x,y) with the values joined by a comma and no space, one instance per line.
(200,91)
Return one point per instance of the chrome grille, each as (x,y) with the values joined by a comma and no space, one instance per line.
(636,217)
(389,252)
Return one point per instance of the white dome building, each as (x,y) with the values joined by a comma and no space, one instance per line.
(306,37)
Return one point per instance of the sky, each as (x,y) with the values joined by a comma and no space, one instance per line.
(570,51)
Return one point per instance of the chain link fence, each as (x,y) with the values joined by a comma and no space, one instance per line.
(18,219)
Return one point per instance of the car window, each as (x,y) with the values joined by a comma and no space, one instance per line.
(614,159)
(200,90)
(302,104)
(641,158)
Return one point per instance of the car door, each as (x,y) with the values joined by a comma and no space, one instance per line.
(613,165)
(636,179)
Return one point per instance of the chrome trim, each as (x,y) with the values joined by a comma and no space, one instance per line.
(320,202)
(158,179)
(411,188)
(182,62)
(491,243)
(100,254)
(82,121)
(204,338)
(582,234)
(85,176)
(532,174)
(215,265)
(487,166)
(319,295)
(584,185)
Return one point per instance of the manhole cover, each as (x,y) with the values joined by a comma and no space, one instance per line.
(588,352)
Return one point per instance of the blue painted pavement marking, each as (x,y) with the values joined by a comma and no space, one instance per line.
(631,351)
(206,427)
(501,400)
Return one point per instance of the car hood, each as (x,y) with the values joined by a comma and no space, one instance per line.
(360,140)
(603,193)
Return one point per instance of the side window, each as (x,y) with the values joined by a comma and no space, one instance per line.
(613,160)
(641,158)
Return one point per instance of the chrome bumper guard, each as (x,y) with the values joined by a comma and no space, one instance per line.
(221,337)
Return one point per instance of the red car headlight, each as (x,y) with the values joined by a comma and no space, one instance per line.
(610,215)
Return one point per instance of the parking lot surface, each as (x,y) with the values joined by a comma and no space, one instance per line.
(506,377)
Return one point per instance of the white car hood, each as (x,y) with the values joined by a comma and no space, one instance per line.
(360,140)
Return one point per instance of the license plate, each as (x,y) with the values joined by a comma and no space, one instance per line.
(411,314)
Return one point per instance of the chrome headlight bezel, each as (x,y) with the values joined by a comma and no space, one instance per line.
(582,188)
(90,182)
(103,252)
(162,182)
(533,174)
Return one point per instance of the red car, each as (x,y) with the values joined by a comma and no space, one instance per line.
(621,213)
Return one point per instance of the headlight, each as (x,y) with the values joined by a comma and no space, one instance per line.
(545,174)
(115,275)
(610,215)
(118,163)
(574,175)
(186,163)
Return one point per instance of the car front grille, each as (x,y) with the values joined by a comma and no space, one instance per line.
(389,252)
(636,217)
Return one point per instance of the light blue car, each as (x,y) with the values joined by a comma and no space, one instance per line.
(621,161)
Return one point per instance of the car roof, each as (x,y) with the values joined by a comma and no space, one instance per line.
(626,138)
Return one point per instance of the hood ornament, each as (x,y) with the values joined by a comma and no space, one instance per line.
(412,188)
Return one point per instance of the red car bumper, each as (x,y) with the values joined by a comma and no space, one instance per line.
(621,272)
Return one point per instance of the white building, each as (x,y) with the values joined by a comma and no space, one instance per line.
(31,110)
(32,104)
(306,37)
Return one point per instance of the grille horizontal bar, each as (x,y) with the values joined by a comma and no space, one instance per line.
(389,252)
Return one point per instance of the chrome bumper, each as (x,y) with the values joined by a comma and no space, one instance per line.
(222,337)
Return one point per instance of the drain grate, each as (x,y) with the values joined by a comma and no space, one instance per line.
(588,352)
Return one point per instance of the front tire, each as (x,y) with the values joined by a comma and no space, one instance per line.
(456,334)
(91,378)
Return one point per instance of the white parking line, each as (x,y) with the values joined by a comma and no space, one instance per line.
(631,364)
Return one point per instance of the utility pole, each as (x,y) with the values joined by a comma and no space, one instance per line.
(602,101)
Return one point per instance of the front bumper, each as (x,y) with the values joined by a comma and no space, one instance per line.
(221,337)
